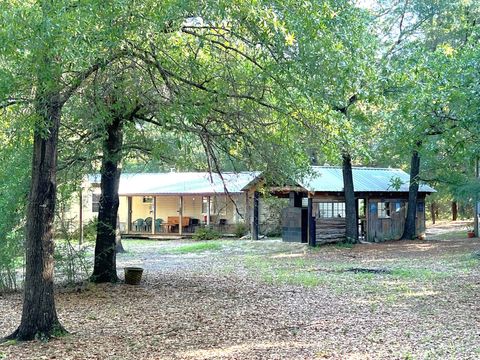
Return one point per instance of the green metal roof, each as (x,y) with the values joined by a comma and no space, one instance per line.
(365,179)
(178,183)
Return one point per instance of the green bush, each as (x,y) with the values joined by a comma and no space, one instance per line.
(240,230)
(206,233)
(72,262)
(10,260)
(89,231)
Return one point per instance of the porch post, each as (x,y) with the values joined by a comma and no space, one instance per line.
(255,225)
(311,222)
(154,215)
(247,209)
(129,214)
(180,220)
(208,210)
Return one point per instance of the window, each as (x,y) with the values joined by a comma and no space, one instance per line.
(383,210)
(147,199)
(205,205)
(304,202)
(331,209)
(95,202)
(221,205)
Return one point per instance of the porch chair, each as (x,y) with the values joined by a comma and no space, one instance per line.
(158,225)
(139,224)
(148,224)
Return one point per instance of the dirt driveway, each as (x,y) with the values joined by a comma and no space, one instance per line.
(271,300)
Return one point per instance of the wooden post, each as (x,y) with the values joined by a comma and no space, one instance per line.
(154,215)
(80,217)
(180,219)
(255,225)
(247,210)
(311,222)
(477,202)
(208,210)
(129,214)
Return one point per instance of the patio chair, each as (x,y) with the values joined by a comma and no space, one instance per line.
(158,225)
(139,224)
(148,224)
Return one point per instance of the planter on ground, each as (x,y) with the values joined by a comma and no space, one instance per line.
(133,275)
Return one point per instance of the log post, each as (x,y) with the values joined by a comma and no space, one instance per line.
(154,215)
(180,220)
(129,214)
(255,225)
(311,222)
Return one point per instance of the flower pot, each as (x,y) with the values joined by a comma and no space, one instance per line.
(471,234)
(133,275)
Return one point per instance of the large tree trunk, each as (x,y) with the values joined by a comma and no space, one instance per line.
(39,316)
(432,211)
(410,229)
(454,211)
(350,207)
(105,264)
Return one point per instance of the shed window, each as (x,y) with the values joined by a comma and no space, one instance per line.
(95,202)
(331,209)
(383,210)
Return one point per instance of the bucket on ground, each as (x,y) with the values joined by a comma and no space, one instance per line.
(133,275)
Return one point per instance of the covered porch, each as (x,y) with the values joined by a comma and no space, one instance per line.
(176,215)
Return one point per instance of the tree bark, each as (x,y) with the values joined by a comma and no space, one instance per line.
(39,315)
(105,263)
(432,211)
(118,238)
(454,211)
(410,229)
(350,206)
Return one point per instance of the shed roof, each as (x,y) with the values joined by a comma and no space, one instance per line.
(179,183)
(365,179)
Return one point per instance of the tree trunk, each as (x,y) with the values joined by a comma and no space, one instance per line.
(410,229)
(432,211)
(118,238)
(105,263)
(39,316)
(350,206)
(454,211)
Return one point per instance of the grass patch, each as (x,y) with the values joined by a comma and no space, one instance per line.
(344,245)
(451,235)
(194,248)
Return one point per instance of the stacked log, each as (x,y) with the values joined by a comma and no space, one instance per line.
(330,230)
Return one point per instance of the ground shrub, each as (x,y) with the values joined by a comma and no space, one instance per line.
(72,262)
(240,230)
(206,233)
(10,260)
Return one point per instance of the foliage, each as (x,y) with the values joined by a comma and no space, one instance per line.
(241,230)
(15,157)
(73,263)
(206,233)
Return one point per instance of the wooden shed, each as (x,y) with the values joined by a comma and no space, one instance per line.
(317,204)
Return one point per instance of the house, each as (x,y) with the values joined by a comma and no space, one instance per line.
(162,204)
(316,210)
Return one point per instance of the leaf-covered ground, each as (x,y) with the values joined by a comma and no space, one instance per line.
(272,300)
